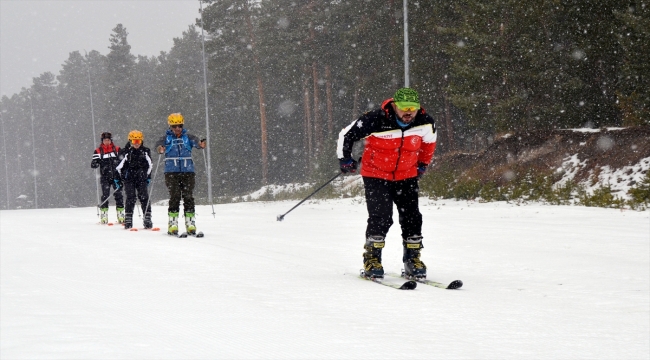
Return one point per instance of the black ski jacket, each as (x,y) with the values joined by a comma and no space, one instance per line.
(106,159)
(135,165)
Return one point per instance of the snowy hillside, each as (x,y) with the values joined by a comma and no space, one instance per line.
(586,159)
(543,282)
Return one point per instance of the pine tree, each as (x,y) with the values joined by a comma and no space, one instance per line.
(120,90)
(49,128)
(518,66)
(75,122)
(634,36)
(591,27)
(234,83)
(429,33)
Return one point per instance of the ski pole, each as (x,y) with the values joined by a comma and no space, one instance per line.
(206,169)
(109,196)
(97,188)
(153,181)
(281,217)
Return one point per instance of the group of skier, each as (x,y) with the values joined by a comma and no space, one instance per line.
(400,139)
(130,169)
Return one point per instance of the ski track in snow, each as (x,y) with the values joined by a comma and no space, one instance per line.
(543,282)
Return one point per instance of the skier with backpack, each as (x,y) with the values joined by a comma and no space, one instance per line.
(134,172)
(400,139)
(106,159)
(177,145)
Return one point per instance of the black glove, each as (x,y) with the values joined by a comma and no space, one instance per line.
(94,164)
(422,168)
(348,165)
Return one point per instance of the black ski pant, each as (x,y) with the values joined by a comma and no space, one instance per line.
(380,197)
(137,190)
(107,184)
(180,185)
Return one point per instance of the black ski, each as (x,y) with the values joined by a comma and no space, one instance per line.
(408,285)
(184,235)
(178,235)
(456,284)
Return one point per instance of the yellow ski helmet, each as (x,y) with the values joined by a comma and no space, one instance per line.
(136,135)
(175,119)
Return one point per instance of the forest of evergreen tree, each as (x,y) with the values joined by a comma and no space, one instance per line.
(284,76)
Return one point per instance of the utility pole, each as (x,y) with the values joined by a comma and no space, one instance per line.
(406,44)
(92,116)
(4,144)
(207,114)
(31,107)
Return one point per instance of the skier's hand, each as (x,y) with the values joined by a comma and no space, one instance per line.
(118,184)
(148,181)
(202,144)
(348,165)
(94,164)
(161,150)
(422,168)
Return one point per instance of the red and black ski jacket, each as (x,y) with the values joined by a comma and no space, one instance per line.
(391,152)
(106,159)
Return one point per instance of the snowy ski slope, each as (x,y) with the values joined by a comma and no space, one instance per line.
(543,282)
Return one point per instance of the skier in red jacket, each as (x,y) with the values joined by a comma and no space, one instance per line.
(400,139)
(106,159)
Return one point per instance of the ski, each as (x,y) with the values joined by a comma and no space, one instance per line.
(178,235)
(456,284)
(408,285)
(184,235)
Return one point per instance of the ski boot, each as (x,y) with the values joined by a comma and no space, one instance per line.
(148,224)
(372,267)
(172,228)
(120,215)
(414,268)
(103,216)
(189,223)
(128,221)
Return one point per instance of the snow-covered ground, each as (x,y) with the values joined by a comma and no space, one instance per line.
(541,282)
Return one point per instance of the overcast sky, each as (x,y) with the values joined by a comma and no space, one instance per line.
(37,36)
